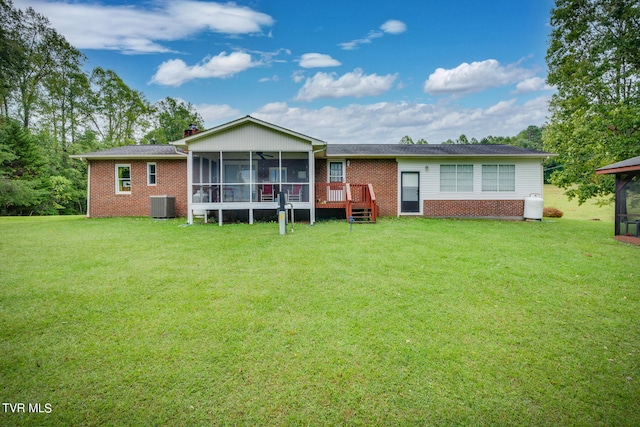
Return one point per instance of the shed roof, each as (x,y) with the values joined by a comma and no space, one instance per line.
(431,150)
(629,165)
(135,152)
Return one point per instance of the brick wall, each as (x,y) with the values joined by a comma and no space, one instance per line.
(171,177)
(474,208)
(381,173)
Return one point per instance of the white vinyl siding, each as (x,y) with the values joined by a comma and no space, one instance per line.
(498,177)
(250,137)
(528,178)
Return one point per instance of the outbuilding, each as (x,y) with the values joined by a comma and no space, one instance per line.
(627,210)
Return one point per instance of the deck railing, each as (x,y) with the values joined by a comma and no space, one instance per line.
(341,195)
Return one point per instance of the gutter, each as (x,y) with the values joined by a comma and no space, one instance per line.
(134,157)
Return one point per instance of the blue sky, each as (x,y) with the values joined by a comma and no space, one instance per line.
(350,71)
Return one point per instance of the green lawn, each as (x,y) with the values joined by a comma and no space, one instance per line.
(405,322)
(590,210)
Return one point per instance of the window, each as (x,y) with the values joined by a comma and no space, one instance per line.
(151,174)
(498,178)
(456,178)
(273,174)
(336,172)
(123,179)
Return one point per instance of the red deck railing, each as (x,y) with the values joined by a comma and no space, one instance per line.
(340,195)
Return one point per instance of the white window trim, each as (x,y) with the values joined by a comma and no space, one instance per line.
(498,190)
(457,190)
(344,169)
(155,174)
(117,180)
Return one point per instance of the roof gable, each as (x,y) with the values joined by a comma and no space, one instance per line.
(245,128)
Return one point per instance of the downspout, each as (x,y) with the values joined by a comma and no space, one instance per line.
(87,215)
(189,188)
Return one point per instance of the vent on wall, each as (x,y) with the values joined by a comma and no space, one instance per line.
(162,207)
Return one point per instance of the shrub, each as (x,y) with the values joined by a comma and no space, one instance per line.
(552,213)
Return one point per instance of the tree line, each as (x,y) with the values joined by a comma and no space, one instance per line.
(51,107)
(531,137)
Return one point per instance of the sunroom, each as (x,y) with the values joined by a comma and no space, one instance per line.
(241,170)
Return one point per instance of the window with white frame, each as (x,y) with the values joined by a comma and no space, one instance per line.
(123,179)
(151,174)
(273,174)
(456,178)
(498,178)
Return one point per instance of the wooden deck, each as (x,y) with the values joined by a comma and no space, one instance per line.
(628,239)
(358,200)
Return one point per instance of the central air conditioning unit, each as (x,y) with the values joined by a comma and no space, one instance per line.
(162,207)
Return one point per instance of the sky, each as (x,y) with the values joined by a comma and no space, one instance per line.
(348,71)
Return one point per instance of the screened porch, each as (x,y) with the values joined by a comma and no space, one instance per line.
(628,205)
(627,211)
(229,180)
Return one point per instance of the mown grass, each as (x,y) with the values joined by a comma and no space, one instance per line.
(406,322)
(591,210)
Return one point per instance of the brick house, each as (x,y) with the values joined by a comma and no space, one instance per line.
(121,180)
(240,168)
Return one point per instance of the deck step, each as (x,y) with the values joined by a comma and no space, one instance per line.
(362,215)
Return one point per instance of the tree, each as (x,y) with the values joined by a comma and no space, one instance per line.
(23,171)
(121,114)
(594,62)
(406,140)
(12,54)
(171,117)
(42,46)
(65,104)
(462,139)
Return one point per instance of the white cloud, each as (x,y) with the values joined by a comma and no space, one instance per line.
(474,77)
(388,122)
(273,78)
(532,84)
(132,29)
(175,72)
(394,27)
(390,27)
(356,84)
(318,60)
(212,113)
(353,44)
(275,108)
(297,76)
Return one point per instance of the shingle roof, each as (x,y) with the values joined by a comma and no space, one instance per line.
(623,166)
(429,150)
(135,151)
